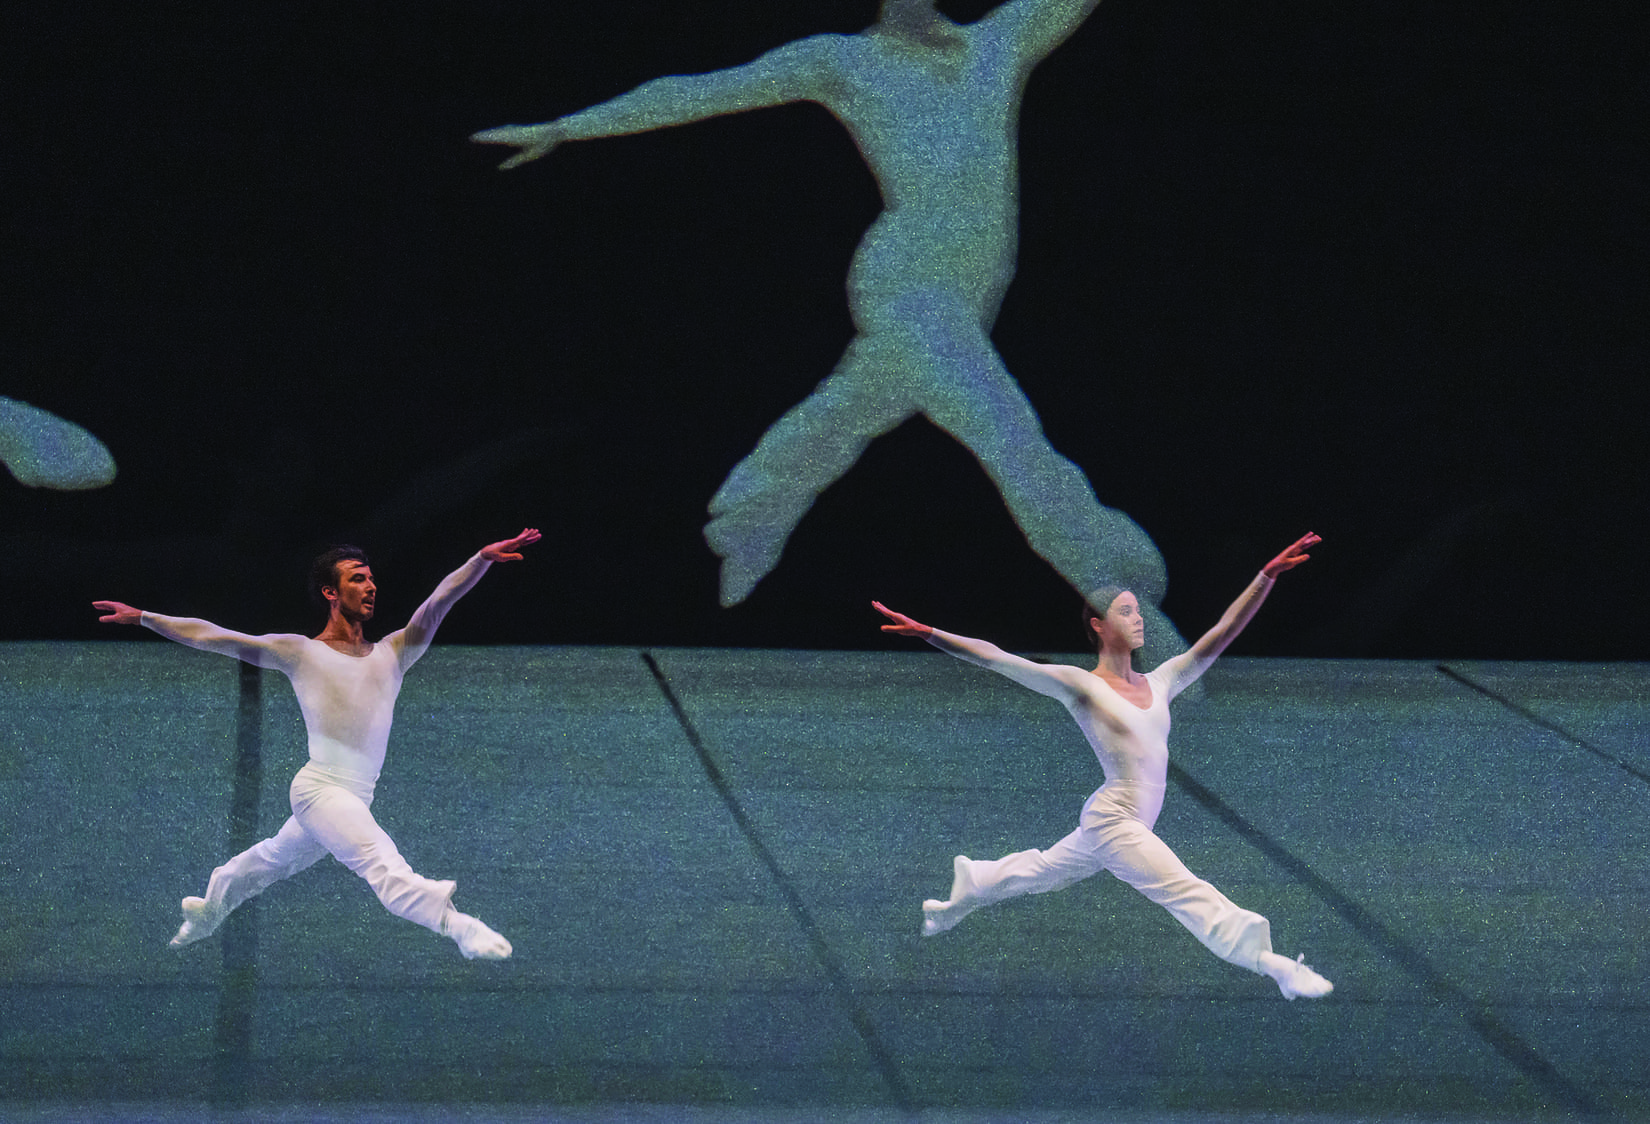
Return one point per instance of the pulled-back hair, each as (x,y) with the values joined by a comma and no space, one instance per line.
(1095,606)
(324,570)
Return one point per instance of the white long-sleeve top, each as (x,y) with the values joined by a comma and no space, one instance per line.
(1131,742)
(348,701)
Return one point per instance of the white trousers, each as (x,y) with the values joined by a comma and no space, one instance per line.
(330,815)
(1115,834)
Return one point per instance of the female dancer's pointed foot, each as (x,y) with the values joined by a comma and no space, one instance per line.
(200,920)
(937,916)
(1296,980)
(474,938)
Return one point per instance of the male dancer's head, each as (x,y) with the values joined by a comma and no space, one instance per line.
(341,580)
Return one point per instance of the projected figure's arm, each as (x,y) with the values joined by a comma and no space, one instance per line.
(799,71)
(42,450)
(1045,679)
(412,642)
(1184,669)
(278,650)
(1036,27)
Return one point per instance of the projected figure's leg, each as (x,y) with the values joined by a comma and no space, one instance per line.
(971,395)
(42,450)
(248,874)
(801,454)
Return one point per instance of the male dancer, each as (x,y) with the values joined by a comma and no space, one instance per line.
(1125,716)
(346,686)
(933,107)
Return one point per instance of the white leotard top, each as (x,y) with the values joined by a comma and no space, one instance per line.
(348,701)
(1132,743)
(348,704)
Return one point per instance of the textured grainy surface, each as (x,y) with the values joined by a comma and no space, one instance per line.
(710,861)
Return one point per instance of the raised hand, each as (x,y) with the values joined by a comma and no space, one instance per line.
(533,140)
(1293,555)
(903,625)
(117,613)
(508,550)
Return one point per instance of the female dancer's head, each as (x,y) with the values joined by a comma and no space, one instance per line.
(1112,621)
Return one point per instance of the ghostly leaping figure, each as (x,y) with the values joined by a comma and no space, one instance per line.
(933,107)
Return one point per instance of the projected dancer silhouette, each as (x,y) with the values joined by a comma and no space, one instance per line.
(1125,717)
(346,687)
(42,450)
(933,107)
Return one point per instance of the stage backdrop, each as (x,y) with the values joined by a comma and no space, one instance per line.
(1375,272)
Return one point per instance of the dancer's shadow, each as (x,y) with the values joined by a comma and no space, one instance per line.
(933,107)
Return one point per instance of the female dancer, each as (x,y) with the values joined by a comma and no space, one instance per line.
(1125,716)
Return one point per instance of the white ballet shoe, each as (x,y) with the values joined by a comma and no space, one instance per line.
(939,916)
(1300,981)
(200,920)
(475,939)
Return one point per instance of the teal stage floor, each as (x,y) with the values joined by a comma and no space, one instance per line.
(710,863)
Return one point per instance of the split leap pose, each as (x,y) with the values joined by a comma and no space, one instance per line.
(933,107)
(1125,716)
(346,687)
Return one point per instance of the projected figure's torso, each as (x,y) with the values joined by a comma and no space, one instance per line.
(932,107)
(939,136)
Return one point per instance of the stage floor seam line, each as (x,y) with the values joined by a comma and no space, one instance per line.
(1550,726)
(841,987)
(1524,1057)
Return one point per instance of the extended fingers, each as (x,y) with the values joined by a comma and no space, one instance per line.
(503,134)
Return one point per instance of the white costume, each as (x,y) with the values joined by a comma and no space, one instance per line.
(1114,832)
(348,703)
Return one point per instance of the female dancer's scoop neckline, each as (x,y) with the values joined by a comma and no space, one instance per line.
(1148,681)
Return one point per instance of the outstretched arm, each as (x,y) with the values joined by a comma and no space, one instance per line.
(412,641)
(1042,678)
(798,71)
(1036,27)
(1195,661)
(277,651)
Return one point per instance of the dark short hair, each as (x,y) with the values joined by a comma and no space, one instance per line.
(324,570)
(1095,606)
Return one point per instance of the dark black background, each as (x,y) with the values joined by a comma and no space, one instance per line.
(1373,270)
